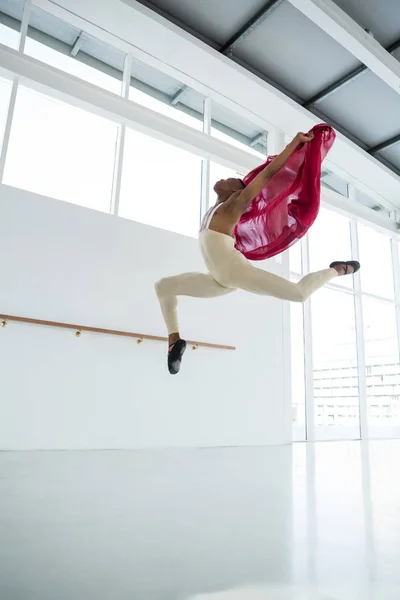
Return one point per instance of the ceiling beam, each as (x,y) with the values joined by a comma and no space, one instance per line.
(239,36)
(77,45)
(250,25)
(175,98)
(258,139)
(335,22)
(384,145)
(344,80)
(178,95)
(335,86)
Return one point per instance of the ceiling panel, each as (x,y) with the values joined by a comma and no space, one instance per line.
(366,107)
(216,20)
(392,154)
(291,50)
(381,17)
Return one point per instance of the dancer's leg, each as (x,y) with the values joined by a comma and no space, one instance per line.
(257,281)
(196,285)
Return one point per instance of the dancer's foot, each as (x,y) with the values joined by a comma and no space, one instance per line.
(345,267)
(176,351)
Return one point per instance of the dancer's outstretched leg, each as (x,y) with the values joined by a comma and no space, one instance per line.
(258,281)
(196,285)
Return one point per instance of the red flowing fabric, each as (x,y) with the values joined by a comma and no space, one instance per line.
(285,209)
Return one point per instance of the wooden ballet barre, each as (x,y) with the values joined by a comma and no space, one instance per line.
(79,328)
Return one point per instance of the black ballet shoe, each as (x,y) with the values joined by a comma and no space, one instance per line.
(347,263)
(175,354)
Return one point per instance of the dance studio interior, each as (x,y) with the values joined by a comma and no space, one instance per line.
(267,468)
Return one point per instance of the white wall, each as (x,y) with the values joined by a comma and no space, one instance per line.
(67,263)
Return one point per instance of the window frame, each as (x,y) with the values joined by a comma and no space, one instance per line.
(366,430)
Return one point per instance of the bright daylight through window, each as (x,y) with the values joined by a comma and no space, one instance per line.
(160,185)
(60,151)
(336,342)
(5,94)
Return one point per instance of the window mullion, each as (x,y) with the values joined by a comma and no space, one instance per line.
(120,144)
(359,320)
(205,165)
(396,276)
(308,351)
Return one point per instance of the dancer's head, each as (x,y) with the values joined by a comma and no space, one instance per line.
(224,188)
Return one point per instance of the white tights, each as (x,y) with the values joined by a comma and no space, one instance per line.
(228,271)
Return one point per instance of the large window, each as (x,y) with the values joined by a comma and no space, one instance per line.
(380,333)
(334,182)
(60,151)
(336,395)
(237,131)
(295,258)
(382,364)
(233,141)
(166,95)
(297,366)
(69,49)
(329,240)
(5,93)
(160,185)
(377,269)
(354,333)
(72,66)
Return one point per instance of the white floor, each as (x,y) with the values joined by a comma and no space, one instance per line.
(313,522)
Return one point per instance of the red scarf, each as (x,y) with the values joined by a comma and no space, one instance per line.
(285,209)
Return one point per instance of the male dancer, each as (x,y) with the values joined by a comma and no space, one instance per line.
(228,269)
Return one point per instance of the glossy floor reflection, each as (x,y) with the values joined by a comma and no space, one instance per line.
(312,522)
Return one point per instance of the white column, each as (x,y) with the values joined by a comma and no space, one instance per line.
(24,25)
(120,145)
(275,141)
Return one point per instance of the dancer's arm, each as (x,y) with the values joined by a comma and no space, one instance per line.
(254,188)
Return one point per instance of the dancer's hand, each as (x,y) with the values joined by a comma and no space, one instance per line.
(304,138)
(245,197)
